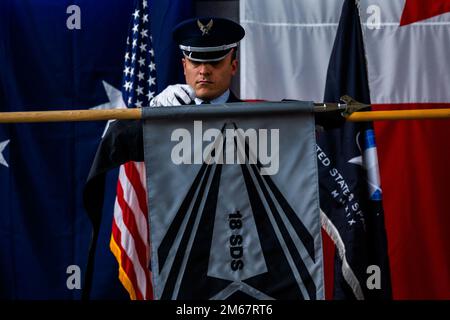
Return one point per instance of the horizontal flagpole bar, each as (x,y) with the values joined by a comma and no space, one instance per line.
(417,114)
(136,113)
(70,115)
(233,109)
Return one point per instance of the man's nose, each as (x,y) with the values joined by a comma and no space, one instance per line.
(205,68)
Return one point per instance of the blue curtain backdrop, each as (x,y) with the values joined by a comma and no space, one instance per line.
(43,167)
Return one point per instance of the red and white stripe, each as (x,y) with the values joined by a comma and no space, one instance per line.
(130,236)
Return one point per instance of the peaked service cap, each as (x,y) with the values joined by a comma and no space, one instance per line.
(206,39)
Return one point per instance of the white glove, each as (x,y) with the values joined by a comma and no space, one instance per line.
(174,95)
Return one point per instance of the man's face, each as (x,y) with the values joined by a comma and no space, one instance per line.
(210,79)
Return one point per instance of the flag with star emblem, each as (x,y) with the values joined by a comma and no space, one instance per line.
(350,192)
(407,49)
(139,81)
(352,214)
(60,56)
(130,233)
(54,56)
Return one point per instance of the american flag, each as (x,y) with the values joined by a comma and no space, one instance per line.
(130,231)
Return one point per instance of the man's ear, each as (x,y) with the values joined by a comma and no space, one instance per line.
(234,66)
(183,61)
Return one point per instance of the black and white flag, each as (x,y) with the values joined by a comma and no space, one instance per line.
(234,205)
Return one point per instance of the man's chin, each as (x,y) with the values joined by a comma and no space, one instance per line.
(205,95)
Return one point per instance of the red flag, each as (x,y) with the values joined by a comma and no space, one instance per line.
(408,70)
(417,10)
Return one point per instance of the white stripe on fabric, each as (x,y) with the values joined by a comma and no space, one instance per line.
(128,245)
(347,271)
(131,199)
(140,167)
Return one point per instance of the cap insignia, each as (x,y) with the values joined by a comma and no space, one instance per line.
(205,29)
